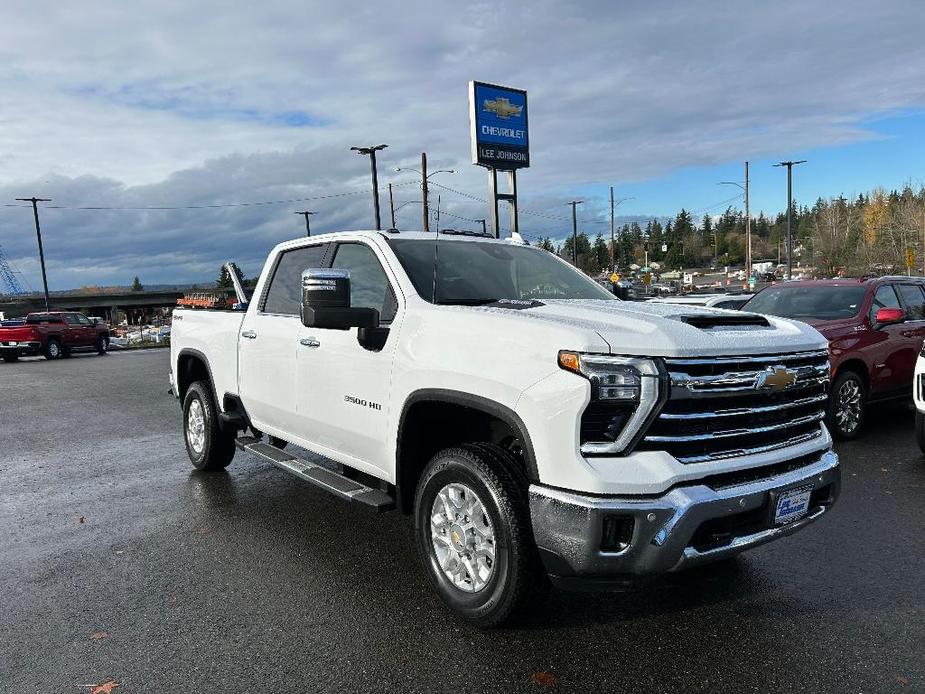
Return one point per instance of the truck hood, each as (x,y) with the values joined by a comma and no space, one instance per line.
(674,330)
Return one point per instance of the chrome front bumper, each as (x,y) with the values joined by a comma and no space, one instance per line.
(687,526)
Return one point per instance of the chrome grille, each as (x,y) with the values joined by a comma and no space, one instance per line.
(724,407)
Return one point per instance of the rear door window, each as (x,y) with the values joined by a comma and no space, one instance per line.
(885,297)
(914,300)
(284,295)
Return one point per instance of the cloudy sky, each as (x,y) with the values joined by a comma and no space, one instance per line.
(167,104)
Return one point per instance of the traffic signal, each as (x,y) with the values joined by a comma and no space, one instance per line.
(645,246)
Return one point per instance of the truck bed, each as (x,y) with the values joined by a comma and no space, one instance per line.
(215,335)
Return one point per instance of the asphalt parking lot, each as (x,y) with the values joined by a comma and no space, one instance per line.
(119,563)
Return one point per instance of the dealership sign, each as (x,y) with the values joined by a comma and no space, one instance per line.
(498,119)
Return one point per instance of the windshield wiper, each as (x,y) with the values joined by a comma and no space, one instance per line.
(465,302)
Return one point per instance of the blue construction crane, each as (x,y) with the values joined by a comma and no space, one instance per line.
(9,279)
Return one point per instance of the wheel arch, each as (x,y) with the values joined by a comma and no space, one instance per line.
(857,365)
(418,440)
(193,365)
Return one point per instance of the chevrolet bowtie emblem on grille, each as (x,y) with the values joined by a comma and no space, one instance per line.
(775,378)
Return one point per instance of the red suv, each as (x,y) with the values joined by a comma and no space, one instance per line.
(875,328)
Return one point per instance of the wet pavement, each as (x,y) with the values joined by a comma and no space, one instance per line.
(118,562)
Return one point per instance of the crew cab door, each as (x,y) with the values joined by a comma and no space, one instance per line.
(343,387)
(888,361)
(73,333)
(268,343)
(912,330)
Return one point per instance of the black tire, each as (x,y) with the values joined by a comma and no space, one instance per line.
(102,345)
(215,449)
(53,349)
(847,406)
(11,357)
(920,430)
(517,579)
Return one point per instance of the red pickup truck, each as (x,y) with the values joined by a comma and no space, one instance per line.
(875,328)
(55,334)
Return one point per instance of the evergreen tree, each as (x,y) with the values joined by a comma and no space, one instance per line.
(136,285)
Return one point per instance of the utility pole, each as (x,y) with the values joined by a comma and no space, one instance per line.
(392,206)
(573,203)
(424,191)
(612,235)
(484,226)
(790,165)
(38,234)
(748,234)
(308,228)
(371,153)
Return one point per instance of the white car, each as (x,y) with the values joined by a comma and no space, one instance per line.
(533,425)
(918,395)
(727,301)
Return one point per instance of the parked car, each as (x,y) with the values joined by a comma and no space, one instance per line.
(532,424)
(875,329)
(54,334)
(727,301)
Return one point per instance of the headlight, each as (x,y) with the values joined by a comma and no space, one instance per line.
(624,395)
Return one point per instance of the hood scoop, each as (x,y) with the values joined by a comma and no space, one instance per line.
(724,322)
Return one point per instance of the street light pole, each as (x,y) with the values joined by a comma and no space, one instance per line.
(308,228)
(748,234)
(573,203)
(371,153)
(38,233)
(790,165)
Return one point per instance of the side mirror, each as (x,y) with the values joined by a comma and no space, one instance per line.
(888,316)
(326,302)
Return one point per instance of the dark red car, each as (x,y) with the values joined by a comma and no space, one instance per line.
(875,328)
(55,334)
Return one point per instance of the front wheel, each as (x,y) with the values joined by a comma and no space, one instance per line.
(847,406)
(920,430)
(473,534)
(10,357)
(208,445)
(102,345)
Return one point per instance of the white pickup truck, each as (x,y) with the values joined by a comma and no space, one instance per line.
(535,426)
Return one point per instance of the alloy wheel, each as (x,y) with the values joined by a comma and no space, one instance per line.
(463,538)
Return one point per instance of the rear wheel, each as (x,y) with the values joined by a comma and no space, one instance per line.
(208,445)
(52,350)
(473,534)
(847,405)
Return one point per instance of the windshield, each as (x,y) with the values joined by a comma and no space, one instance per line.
(824,302)
(473,272)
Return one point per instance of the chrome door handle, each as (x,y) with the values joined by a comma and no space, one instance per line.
(249,334)
(309,342)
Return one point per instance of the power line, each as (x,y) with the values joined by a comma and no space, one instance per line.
(206,207)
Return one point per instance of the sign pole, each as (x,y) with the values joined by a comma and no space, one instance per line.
(493,202)
(512,186)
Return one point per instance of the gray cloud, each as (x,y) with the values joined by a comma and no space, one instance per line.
(151,104)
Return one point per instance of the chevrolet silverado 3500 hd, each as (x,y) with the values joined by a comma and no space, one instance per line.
(534,425)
